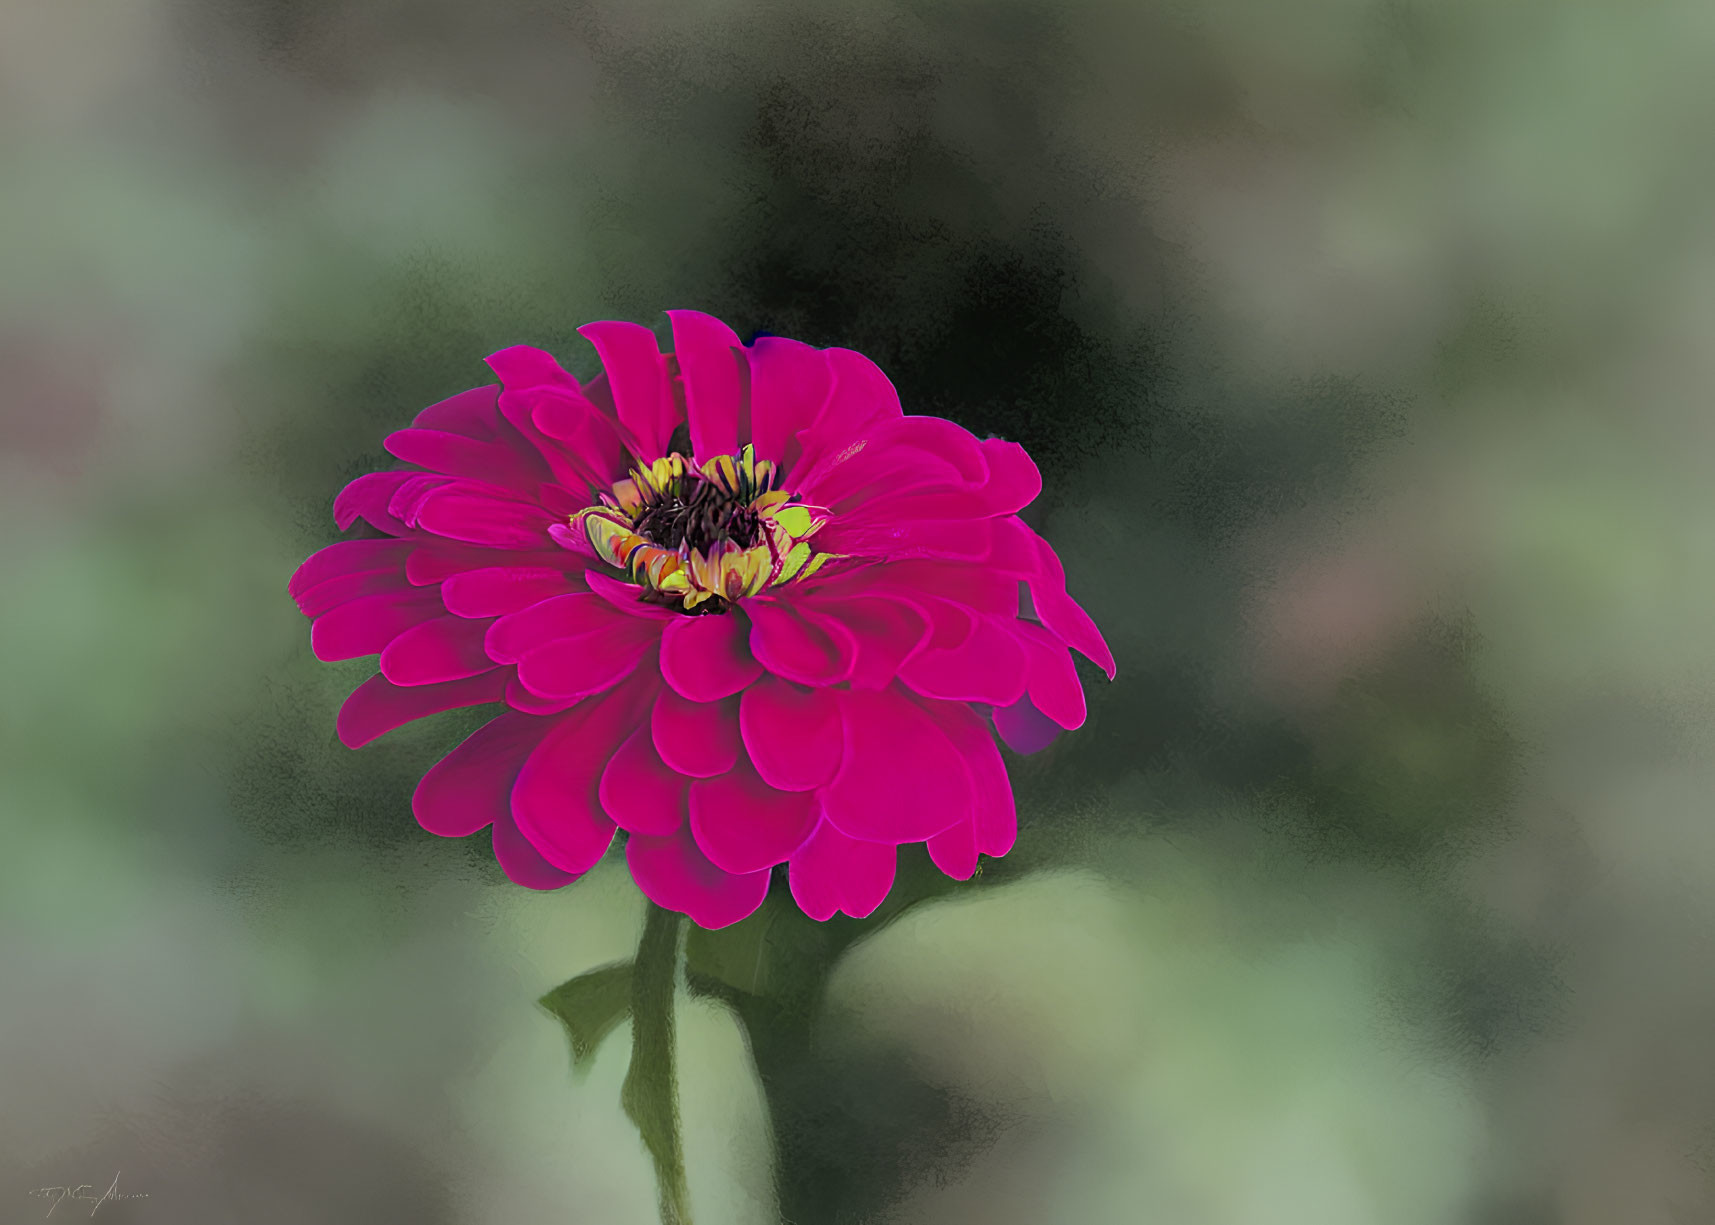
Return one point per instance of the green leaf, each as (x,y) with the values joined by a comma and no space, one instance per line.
(589,1006)
(775,951)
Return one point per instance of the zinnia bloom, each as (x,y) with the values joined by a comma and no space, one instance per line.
(732,601)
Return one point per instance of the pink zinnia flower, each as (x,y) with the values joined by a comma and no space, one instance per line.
(735,603)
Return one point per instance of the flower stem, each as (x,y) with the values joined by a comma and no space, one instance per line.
(650,1095)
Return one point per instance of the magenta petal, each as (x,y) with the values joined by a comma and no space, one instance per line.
(1062,615)
(472,786)
(901,779)
(861,396)
(789,384)
(496,463)
(590,438)
(638,790)
(886,632)
(638,379)
(711,365)
(573,540)
(901,455)
(578,666)
(525,368)
(797,645)
(707,658)
(471,413)
(908,538)
(1014,481)
(365,626)
(793,736)
(948,439)
(326,596)
(343,561)
(954,850)
(525,702)
(626,597)
(586,439)
(989,666)
(1053,679)
(1010,481)
(406,497)
(530,379)
(833,872)
(744,825)
(479,514)
(975,587)
(698,739)
(569,616)
(1024,728)
(444,649)
(672,872)
(368,498)
(842,484)
(951,623)
(378,705)
(574,477)
(930,508)
(523,863)
(1020,552)
(555,800)
(495,591)
(995,818)
(1073,626)
(416,486)
(434,560)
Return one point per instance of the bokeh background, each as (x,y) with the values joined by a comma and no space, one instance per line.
(1365,348)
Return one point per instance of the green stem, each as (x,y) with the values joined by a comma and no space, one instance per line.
(650,1095)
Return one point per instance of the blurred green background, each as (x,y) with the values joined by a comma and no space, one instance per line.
(1364,345)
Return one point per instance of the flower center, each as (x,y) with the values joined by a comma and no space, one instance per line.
(697,539)
(694,511)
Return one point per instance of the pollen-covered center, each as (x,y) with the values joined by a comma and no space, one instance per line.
(699,537)
(698,513)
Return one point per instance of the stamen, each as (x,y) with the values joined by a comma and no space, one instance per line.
(699,538)
(696,512)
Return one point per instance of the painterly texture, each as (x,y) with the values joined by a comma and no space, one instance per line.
(1363,349)
(733,600)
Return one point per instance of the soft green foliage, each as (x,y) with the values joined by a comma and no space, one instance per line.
(589,1006)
